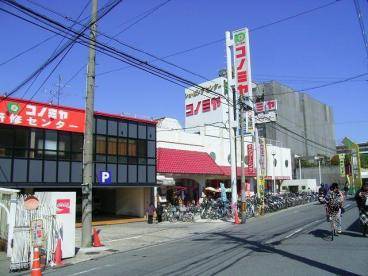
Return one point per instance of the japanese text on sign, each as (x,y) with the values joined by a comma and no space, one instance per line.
(203,106)
(38,115)
(241,60)
(266,106)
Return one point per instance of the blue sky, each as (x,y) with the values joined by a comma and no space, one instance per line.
(312,49)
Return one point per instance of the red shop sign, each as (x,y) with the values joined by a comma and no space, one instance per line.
(31,114)
(250,159)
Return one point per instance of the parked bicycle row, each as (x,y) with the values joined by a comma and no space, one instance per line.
(215,209)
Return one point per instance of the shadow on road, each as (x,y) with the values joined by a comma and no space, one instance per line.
(215,264)
(270,249)
(321,233)
(355,227)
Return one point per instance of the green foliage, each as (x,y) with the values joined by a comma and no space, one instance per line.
(335,161)
(364,160)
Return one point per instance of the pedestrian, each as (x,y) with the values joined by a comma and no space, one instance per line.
(159,212)
(150,212)
(334,204)
(361,198)
(346,188)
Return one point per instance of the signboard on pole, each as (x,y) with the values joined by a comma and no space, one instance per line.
(262,118)
(342,164)
(249,121)
(37,233)
(262,157)
(250,159)
(242,62)
(267,106)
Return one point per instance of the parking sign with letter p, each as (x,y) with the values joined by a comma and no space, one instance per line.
(104,177)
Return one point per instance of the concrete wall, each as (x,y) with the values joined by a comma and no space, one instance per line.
(130,202)
(329,174)
(283,164)
(299,116)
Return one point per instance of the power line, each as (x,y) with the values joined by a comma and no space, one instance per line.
(37,44)
(59,52)
(54,52)
(27,50)
(113,38)
(361,25)
(151,11)
(320,86)
(114,53)
(251,30)
(301,80)
(307,139)
(320,146)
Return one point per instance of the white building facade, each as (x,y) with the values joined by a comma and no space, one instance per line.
(197,155)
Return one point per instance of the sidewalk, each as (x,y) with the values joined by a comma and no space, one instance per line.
(126,237)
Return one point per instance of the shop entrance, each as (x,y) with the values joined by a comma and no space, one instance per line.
(185,191)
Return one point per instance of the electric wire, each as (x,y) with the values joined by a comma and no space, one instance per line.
(361,25)
(54,52)
(154,9)
(319,86)
(64,48)
(216,41)
(126,58)
(113,38)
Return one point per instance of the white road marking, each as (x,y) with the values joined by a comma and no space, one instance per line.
(292,234)
(128,238)
(85,271)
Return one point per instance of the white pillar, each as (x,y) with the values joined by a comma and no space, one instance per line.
(234,192)
(11,221)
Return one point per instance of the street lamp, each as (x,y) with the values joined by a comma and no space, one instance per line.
(300,165)
(319,168)
(274,176)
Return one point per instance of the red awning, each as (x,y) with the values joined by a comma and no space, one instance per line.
(186,162)
(227,171)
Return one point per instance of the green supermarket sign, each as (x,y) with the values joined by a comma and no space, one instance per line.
(239,38)
(13,108)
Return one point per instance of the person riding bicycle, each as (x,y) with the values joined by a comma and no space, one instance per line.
(361,198)
(334,203)
(321,190)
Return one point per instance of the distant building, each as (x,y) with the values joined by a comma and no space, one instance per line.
(304,125)
(363,148)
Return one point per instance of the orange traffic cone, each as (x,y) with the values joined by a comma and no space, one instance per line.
(36,268)
(237,221)
(96,238)
(58,253)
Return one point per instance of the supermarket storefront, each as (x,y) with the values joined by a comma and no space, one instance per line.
(41,149)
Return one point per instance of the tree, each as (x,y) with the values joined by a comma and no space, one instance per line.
(364,160)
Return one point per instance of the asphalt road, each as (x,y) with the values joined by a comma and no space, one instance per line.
(291,242)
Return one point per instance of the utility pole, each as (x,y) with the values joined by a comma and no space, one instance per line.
(88,136)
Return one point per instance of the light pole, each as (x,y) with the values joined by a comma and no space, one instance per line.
(274,163)
(300,165)
(319,168)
